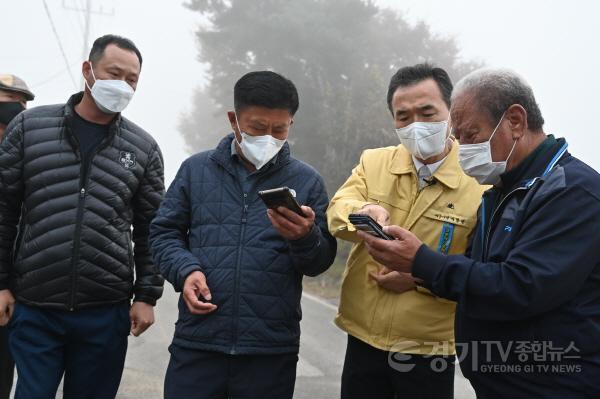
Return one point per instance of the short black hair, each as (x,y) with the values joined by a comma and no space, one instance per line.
(265,89)
(102,42)
(410,75)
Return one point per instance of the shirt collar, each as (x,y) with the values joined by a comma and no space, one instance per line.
(433,167)
(448,172)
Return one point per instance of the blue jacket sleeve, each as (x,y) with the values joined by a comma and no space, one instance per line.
(169,232)
(313,254)
(555,251)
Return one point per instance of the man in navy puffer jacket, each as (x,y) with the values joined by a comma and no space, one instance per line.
(238,265)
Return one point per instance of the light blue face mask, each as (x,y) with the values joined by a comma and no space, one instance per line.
(258,150)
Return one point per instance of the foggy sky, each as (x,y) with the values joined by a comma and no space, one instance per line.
(552,44)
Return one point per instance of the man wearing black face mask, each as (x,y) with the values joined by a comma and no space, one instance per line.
(14,95)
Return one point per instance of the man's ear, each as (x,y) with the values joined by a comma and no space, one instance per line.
(232,121)
(517,118)
(86,70)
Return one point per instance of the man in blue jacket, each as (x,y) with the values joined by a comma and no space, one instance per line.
(239,266)
(528,290)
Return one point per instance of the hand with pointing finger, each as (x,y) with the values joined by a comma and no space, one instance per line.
(398,254)
(196,294)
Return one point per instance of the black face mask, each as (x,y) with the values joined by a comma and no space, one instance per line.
(9,110)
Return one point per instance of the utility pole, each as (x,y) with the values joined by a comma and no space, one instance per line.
(87,10)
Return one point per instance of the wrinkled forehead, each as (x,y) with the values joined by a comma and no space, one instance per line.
(466,111)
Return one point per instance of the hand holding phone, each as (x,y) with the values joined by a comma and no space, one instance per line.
(367,224)
(282,196)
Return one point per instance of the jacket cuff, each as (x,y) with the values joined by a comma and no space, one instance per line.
(146,299)
(427,265)
(183,274)
(306,242)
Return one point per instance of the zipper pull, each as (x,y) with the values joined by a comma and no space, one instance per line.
(82,193)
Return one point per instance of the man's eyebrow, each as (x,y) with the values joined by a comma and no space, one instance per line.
(257,122)
(427,107)
(114,66)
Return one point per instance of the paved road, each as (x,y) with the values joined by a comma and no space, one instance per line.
(321,354)
(319,367)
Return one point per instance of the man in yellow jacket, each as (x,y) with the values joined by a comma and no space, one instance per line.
(400,335)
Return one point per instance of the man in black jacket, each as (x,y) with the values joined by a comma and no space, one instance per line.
(528,289)
(80,176)
(14,95)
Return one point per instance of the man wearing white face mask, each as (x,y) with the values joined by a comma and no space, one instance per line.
(528,288)
(239,266)
(82,184)
(400,335)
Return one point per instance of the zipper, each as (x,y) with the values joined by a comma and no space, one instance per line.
(76,245)
(237,276)
(494,213)
(83,183)
(549,168)
(243,221)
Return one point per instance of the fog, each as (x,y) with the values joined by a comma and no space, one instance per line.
(551,43)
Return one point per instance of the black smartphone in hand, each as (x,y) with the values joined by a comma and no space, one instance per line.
(367,224)
(282,196)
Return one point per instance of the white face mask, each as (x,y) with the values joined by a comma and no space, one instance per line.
(259,150)
(424,139)
(111,96)
(476,160)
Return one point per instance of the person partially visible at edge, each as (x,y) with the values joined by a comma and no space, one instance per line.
(239,266)
(401,335)
(80,176)
(14,95)
(528,288)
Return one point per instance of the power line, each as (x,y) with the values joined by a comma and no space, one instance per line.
(51,78)
(60,46)
(87,10)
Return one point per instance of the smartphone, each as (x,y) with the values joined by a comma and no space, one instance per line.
(282,196)
(367,224)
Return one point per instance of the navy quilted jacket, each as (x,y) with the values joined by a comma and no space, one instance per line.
(208,223)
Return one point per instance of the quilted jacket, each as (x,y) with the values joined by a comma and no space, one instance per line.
(66,226)
(209,223)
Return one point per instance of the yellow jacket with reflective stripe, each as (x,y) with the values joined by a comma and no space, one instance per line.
(442,215)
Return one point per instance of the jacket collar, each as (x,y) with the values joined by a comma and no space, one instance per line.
(222,156)
(69,114)
(546,162)
(449,173)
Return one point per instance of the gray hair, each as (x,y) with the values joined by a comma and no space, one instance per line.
(497,89)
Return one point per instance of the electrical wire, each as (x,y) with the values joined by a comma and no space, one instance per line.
(60,46)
